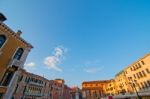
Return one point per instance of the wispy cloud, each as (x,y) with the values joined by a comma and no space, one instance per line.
(54,60)
(30,64)
(93,66)
(93,69)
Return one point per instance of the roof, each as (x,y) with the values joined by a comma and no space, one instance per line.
(4,26)
(98,81)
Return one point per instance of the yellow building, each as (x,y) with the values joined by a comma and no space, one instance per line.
(133,80)
(94,89)
(13,53)
(138,74)
(110,88)
(122,85)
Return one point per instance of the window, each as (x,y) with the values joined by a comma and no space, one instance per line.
(139,65)
(143,73)
(18,54)
(147,70)
(140,74)
(148,82)
(143,62)
(134,76)
(145,84)
(136,66)
(7,78)
(2,40)
(142,85)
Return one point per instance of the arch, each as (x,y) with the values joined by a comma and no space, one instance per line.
(19,53)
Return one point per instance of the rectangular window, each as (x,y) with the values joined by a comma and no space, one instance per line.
(139,65)
(145,84)
(143,63)
(142,85)
(143,73)
(134,68)
(147,70)
(148,82)
(134,76)
(140,74)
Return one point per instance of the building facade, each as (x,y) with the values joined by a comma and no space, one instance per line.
(94,89)
(13,53)
(110,88)
(138,75)
(76,93)
(31,86)
(133,81)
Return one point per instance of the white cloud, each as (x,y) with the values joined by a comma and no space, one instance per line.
(54,60)
(30,64)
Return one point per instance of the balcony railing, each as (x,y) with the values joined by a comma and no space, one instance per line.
(33,94)
(34,83)
(15,62)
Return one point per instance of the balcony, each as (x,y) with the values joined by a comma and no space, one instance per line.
(33,94)
(16,63)
(3,89)
(34,83)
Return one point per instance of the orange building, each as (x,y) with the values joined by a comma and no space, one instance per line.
(13,53)
(94,89)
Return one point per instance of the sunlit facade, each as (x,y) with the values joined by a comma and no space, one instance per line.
(138,74)
(94,89)
(111,88)
(132,81)
(13,53)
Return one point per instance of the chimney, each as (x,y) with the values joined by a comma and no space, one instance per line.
(18,33)
(2,18)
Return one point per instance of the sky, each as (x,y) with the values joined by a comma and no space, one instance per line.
(80,40)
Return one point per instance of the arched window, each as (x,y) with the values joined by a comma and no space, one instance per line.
(2,40)
(18,54)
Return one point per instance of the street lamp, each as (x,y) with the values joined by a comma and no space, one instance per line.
(133,82)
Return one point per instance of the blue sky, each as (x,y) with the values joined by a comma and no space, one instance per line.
(81,40)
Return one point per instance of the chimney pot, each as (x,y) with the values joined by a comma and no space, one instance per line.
(18,33)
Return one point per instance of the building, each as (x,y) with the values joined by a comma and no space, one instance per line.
(133,81)
(94,89)
(76,93)
(138,75)
(121,83)
(66,92)
(13,53)
(111,88)
(31,86)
